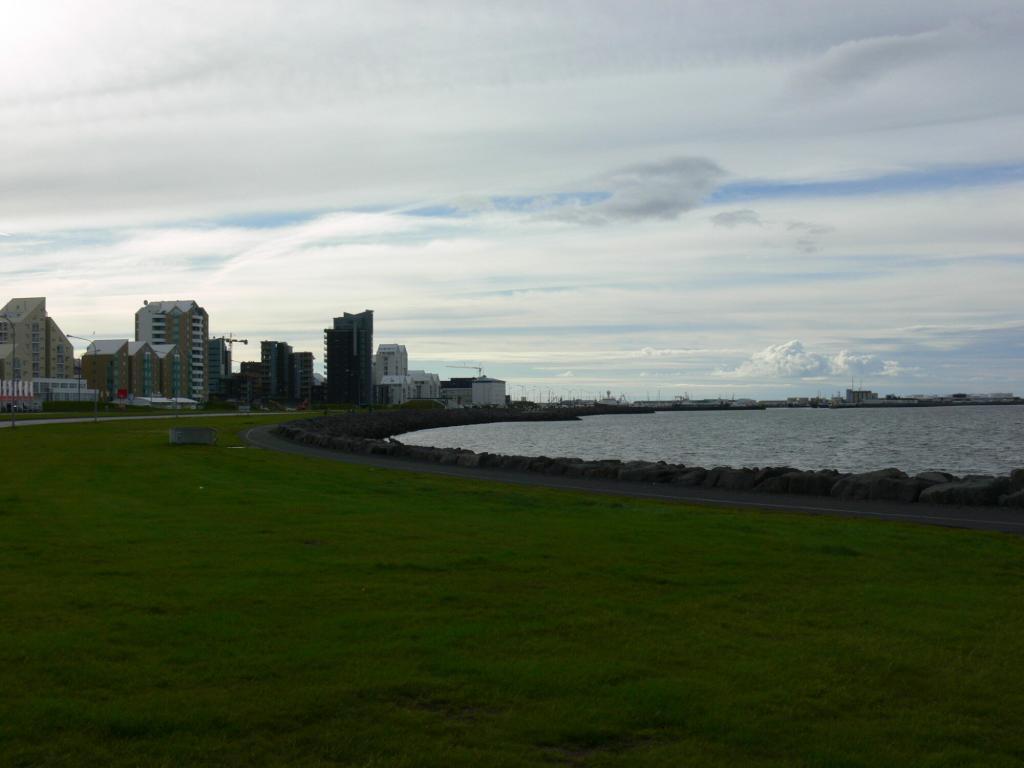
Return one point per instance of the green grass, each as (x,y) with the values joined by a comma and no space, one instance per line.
(179,606)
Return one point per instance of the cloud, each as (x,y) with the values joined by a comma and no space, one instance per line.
(791,360)
(566,375)
(733,219)
(857,62)
(661,191)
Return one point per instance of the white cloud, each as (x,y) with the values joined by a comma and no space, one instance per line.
(790,360)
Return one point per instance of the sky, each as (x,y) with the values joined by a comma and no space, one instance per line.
(740,199)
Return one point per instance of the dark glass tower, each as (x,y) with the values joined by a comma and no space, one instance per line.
(348,348)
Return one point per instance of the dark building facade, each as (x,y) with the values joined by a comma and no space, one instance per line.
(301,381)
(348,348)
(218,365)
(275,356)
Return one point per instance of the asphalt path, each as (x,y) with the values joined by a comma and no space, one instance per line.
(1001,519)
(6,423)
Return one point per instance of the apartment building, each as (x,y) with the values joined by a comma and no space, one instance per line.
(118,367)
(186,325)
(32,346)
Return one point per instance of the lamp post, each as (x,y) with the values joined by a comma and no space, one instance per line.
(96,391)
(14,352)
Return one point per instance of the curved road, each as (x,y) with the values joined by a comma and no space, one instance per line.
(977,518)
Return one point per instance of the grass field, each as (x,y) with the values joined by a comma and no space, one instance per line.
(229,606)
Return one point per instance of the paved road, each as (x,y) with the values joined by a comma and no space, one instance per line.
(976,518)
(6,424)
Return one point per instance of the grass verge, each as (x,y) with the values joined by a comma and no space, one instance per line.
(228,606)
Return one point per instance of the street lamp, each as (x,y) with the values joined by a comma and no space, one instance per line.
(96,391)
(14,351)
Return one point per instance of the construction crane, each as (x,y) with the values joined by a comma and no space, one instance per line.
(229,339)
(479,370)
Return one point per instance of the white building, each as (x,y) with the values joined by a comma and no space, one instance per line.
(185,324)
(390,360)
(488,392)
(479,392)
(424,385)
(62,390)
(415,385)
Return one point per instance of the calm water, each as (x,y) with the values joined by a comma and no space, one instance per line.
(962,440)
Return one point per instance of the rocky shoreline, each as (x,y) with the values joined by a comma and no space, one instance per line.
(373,434)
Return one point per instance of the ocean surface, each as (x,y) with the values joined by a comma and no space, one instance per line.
(961,440)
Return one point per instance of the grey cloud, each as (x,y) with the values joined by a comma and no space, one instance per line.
(810,228)
(855,62)
(809,232)
(733,219)
(660,190)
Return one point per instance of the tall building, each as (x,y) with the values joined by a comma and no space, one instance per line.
(301,376)
(348,348)
(218,365)
(275,356)
(31,344)
(185,324)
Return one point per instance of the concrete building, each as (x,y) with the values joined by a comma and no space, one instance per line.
(218,365)
(860,395)
(275,356)
(457,392)
(488,392)
(62,390)
(415,385)
(348,353)
(482,391)
(105,367)
(31,344)
(117,367)
(185,324)
(392,390)
(424,385)
(390,360)
(301,377)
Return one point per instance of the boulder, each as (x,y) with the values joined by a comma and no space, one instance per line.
(450,456)
(898,489)
(935,477)
(731,479)
(651,472)
(866,485)
(1017,480)
(519,463)
(977,492)
(691,476)
(490,459)
(805,483)
(767,473)
(578,469)
(468,460)
(603,470)
(1015,499)
(559,466)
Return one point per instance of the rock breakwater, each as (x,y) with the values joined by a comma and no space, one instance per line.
(373,434)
